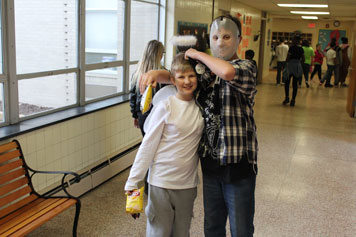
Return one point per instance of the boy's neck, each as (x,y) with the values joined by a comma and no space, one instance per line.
(234,57)
(185,97)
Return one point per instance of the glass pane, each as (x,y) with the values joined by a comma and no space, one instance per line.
(104,31)
(2,106)
(133,68)
(103,82)
(46,35)
(46,93)
(144,27)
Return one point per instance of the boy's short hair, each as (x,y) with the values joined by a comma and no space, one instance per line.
(344,40)
(179,64)
(234,19)
(249,54)
(305,43)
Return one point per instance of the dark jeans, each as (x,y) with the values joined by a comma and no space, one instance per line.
(280,67)
(306,69)
(337,74)
(236,200)
(294,84)
(317,69)
(328,74)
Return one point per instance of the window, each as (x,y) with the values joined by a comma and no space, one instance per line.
(46,35)
(63,47)
(59,91)
(144,21)
(104,30)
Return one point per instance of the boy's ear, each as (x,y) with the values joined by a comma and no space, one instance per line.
(172,79)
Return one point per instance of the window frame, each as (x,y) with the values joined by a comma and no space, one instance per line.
(10,78)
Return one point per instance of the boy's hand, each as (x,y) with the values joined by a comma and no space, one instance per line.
(136,123)
(135,216)
(191,53)
(148,78)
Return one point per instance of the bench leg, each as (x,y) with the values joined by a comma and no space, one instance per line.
(76,218)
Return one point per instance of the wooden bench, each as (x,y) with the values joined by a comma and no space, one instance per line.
(22,209)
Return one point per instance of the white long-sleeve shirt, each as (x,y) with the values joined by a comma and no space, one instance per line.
(169,147)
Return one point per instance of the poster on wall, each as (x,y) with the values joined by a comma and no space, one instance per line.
(197,29)
(325,36)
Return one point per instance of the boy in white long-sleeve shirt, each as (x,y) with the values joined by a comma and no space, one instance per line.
(169,151)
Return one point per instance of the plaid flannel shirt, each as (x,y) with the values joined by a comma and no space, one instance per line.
(227,107)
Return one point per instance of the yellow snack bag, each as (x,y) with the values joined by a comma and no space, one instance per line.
(134,202)
(146,99)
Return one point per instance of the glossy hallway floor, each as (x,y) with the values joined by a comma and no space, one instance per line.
(306,184)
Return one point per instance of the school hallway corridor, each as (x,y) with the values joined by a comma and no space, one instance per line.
(306,180)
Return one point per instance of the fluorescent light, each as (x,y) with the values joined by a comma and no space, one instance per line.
(310,17)
(303,5)
(310,13)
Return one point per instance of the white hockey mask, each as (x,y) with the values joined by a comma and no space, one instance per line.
(224,38)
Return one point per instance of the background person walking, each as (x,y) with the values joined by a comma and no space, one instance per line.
(318,62)
(281,54)
(309,56)
(330,62)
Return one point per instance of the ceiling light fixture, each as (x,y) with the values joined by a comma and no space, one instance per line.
(303,5)
(310,13)
(310,17)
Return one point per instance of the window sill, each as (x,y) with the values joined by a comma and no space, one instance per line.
(58,117)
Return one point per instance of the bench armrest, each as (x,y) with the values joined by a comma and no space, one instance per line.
(64,185)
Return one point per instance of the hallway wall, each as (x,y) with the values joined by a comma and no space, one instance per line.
(200,11)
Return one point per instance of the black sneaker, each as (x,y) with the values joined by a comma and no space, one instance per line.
(328,85)
(307,84)
(344,85)
(286,101)
(292,103)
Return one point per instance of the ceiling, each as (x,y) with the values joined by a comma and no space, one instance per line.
(339,9)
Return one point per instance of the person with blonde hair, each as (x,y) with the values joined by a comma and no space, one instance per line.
(169,151)
(150,60)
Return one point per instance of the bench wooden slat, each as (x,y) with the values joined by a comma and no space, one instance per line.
(7,147)
(21,209)
(34,213)
(28,211)
(39,202)
(11,176)
(14,185)
(9,156)
(42,219)
(15,206)
(15,195)
(10,166)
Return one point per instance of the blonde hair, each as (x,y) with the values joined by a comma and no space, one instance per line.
(150,60)
(179,64)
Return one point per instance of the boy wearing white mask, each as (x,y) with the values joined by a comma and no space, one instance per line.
(228,150)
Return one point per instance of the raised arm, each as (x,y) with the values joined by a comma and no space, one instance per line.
(219,67)
(152,77)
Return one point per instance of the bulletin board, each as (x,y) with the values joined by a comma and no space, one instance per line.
(326,35)
(246,24)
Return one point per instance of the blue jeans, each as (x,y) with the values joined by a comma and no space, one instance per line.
(328,74)
(306,70)
(236,200)
(280,66)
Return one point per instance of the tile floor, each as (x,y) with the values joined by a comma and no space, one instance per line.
(306,184)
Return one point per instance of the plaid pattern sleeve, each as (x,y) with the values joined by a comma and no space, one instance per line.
(237,133)
(245,77)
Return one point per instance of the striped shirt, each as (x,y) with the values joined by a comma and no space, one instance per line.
(227,107)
